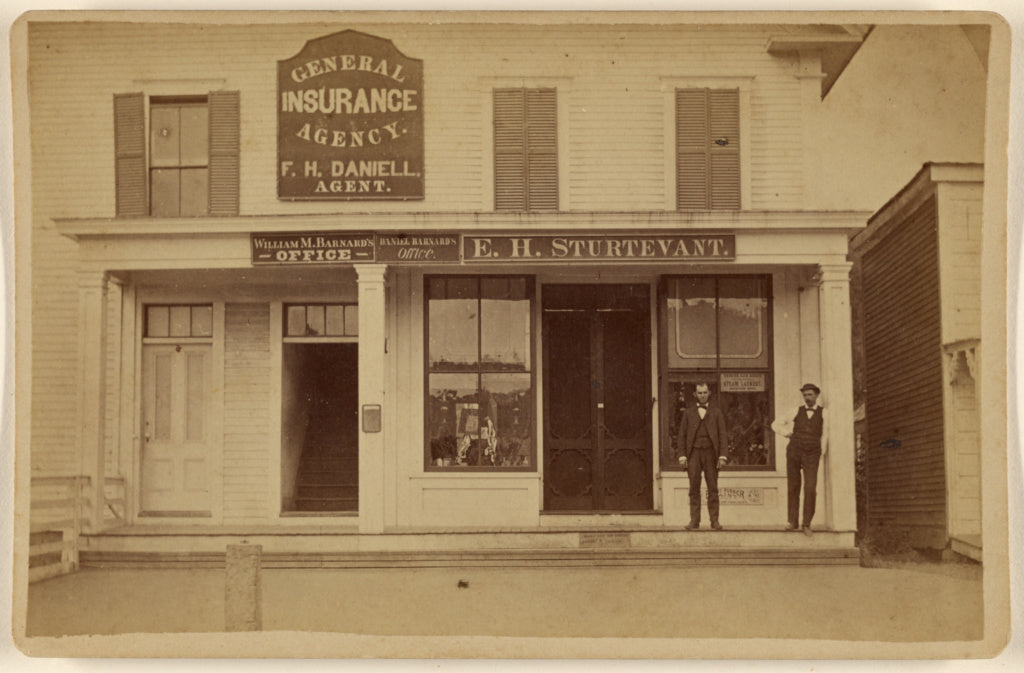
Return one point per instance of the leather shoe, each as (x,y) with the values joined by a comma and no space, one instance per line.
(807,531)
(716,526)
(792,527)
(693,525)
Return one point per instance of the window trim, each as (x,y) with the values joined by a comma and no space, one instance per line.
(668,88)
(667,374)
(429,466)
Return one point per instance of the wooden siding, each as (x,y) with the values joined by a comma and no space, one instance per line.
(902,344)
(246,462)
(610,80)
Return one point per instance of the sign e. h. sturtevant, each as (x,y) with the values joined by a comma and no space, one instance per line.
(350,121)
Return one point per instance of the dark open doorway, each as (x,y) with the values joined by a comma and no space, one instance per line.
(319,427)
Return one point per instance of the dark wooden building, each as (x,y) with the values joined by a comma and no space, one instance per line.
(918,272)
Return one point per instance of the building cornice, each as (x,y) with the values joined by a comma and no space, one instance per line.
(462,221)
(924,183)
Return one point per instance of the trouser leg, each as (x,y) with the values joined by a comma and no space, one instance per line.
(693,471)
(810,465)
(711,477)
(793,490)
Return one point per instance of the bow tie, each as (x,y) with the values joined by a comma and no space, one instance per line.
(808,408)
(702,406)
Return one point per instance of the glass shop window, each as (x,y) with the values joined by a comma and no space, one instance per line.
(479,377)
(718,331)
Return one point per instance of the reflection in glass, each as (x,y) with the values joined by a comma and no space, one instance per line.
(181,321)
(743,322)
(505,323)
(296,321)
(453,328)
(157,321)
(202,321)
(691,306)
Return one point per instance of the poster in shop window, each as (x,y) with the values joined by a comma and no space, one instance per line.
(350,121)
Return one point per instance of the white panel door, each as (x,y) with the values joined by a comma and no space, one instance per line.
(176,461)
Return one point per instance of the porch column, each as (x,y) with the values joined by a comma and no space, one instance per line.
(372,332)
(837,388)
(92,359)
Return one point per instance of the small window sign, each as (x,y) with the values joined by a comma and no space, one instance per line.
(371,418)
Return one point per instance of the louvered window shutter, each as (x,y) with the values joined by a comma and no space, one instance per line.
(509,149)
(525,149)
(224,149)
(541,149)
(130,155)
(724,116)
(707,149)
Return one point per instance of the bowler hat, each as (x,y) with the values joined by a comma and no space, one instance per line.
(811,386)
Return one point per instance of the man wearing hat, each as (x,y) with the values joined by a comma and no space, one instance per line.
(701,443)
(808,442)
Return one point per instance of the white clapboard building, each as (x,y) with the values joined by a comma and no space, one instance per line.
(388,290)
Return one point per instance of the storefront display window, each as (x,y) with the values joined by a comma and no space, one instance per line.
(479,373)
(717,332)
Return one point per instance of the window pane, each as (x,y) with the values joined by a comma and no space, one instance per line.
(743,322)
(453,420)
(195,192)
(352,320)
(164,192)
(315,320)
(181,321)
(296,321)
(506,406)
(745,403)
(334,320)
(453,326)
(202,321)
(691,316)
(195,131)
(157,321)
(164,135)
(682,395)
(505,324)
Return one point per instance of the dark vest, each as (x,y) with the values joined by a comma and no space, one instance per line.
(807,431)
(703,437)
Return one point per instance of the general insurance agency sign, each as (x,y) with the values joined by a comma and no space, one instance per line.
(350,121)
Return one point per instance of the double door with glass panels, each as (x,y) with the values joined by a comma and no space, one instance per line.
(597,398)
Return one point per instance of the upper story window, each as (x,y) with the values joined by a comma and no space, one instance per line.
(708,149)
(179,157)
(525,149)
(191,167)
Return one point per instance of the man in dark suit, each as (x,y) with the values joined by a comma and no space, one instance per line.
(701,444)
